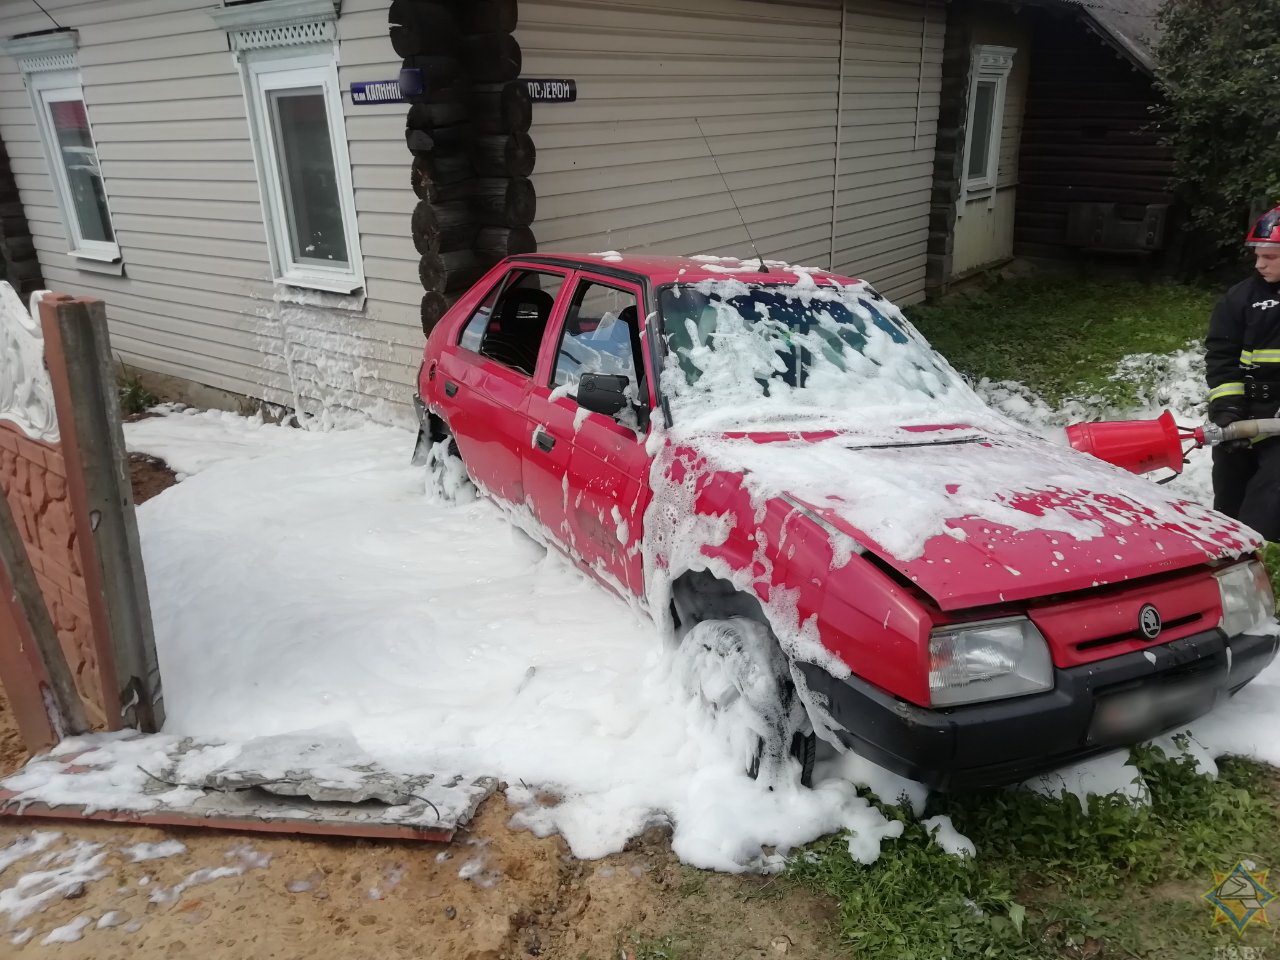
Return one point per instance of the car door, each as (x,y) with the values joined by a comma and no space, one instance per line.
(587,473)
(487,375)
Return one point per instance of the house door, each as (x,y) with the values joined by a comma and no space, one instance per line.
(989,173)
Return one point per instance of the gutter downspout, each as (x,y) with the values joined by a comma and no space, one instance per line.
(835,173)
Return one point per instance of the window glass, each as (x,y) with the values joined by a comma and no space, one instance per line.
(601,335)
(75,151)
(309,179)
(792,350)
(984,99)
(475,329)
(508,327)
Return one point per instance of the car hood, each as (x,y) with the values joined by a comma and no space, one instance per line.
(981,516)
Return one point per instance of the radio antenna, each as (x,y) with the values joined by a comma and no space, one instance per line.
(743,220)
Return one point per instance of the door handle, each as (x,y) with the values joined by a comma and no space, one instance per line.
(450,388)
(544,440)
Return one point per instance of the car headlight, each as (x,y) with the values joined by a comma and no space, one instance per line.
(991,660)
(1247,599)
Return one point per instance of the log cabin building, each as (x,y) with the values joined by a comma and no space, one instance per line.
(265,217)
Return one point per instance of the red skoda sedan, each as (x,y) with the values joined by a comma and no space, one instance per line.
(840,539)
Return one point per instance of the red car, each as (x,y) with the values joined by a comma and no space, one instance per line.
(842,538)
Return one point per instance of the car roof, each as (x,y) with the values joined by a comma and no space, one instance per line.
(664,269)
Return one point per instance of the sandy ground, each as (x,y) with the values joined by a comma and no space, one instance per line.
(356,899)
(520,896)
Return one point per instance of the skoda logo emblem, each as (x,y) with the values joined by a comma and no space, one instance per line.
(1149,621)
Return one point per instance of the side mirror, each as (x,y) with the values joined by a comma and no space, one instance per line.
(603,393)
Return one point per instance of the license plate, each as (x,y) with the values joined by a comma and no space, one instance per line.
(1148,710)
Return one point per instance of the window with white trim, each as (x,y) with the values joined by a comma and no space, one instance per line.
(287,53)
(991,68)
(52,77)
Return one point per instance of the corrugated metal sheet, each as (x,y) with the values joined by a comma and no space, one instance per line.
(168,114)
(626,166)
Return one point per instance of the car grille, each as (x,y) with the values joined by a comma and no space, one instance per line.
(1106,623)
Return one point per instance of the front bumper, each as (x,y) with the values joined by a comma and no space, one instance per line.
(1091,709)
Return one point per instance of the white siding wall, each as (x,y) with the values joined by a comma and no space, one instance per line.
(626,167)
(889,122)
(166,106)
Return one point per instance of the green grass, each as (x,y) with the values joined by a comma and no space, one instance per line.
(638,947)
(133,393)
(1062,336)
(1271,557)
(1052,880)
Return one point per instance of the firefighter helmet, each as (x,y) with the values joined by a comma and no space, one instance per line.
(1266,232)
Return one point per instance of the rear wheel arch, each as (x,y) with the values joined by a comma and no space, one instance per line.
(437,429)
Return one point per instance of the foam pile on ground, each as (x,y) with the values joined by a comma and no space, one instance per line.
(438,638)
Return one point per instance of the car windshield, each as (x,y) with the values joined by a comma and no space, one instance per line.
(774,351)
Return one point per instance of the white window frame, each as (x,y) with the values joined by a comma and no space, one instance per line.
(52,75)
(282,45)
(269,71)
(990,64)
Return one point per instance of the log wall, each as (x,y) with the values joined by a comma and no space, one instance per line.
(468,134)
(1085,136)
(18,262)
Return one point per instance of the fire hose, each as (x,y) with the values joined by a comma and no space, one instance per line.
(1211,434)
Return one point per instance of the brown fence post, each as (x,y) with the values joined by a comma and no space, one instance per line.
(82,373)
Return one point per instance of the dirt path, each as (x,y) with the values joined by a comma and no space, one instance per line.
(301,897)
(492,894)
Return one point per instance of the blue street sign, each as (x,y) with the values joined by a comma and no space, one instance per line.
(409,84)
(376,91)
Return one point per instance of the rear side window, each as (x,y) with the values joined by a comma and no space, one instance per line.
(508,326)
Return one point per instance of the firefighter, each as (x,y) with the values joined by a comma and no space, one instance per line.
(1243,372)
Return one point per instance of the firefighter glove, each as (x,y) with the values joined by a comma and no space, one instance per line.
(1223,415)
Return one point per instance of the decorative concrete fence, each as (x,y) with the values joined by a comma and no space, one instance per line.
(76,645)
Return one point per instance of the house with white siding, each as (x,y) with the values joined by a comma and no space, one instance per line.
(257,229)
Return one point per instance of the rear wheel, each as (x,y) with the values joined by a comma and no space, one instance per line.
(740,674)
(447,478)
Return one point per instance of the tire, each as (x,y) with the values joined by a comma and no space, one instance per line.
(447,479)
(738,672)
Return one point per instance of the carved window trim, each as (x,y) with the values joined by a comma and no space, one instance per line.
(991,68)
(281,45)
(51,74)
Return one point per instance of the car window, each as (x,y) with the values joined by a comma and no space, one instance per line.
(601,335)
(732,346)
(508,326)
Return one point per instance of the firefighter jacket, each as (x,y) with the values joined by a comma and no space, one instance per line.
(1242,350)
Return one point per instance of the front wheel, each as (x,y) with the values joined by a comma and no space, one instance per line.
(738,672)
